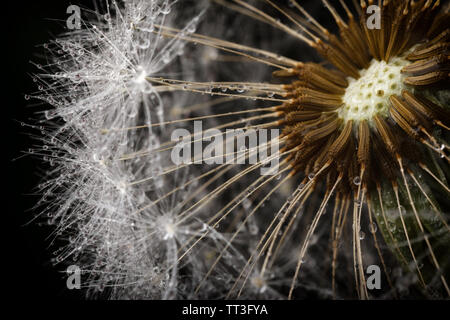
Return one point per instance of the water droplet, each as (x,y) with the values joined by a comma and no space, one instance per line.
(166,9)
(311,176)
(27,97)
(253,229)
(362,235)
(144,43)
(191,28)
(357,181)
(166,58)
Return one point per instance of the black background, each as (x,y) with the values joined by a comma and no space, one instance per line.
(29,274)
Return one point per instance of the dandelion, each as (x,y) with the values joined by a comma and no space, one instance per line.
(365,134)
(363,154)
(96,79)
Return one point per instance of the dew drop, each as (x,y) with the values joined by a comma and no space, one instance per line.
(166,58)
(191,28)
(166,10)
(357,181)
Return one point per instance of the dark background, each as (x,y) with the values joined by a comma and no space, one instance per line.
(29,273)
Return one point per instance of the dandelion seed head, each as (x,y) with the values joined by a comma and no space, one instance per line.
(347,128)
(97,84)
(369,95)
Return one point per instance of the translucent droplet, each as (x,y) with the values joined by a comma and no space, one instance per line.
(191,28)
(166,9)
(246,204)
(144,43)
(357,181)
(373,227)
(166,58)
(27,97)
(362,235)
(311,176)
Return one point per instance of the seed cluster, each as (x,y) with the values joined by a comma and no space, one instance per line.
(371,101)
(369,95)
(368,123)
